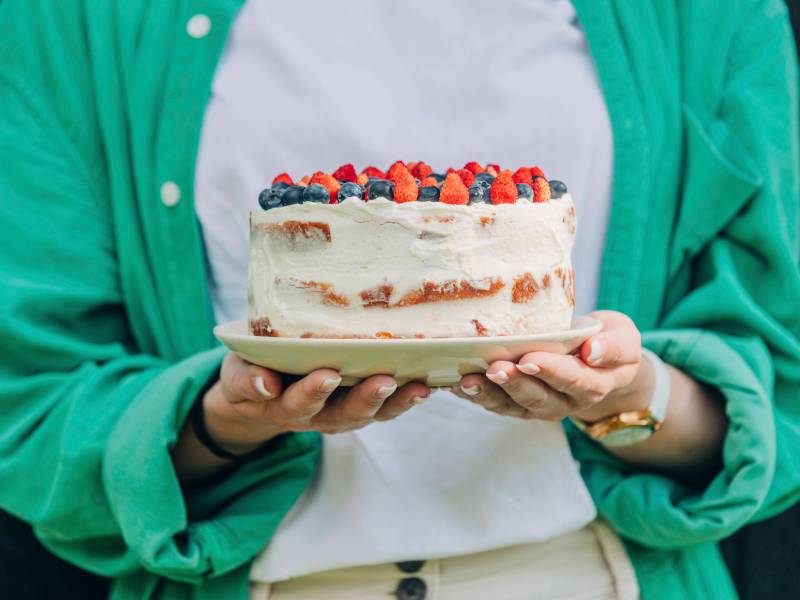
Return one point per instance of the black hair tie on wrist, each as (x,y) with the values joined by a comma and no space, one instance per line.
(197,417)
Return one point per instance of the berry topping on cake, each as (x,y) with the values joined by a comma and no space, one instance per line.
(557,188)
(350,190)
(405,189)
(283,178)
(477,192)
(421,170)
(409,181)
(503,190)
(428,193)
(524,191)
(380,188)
(523,175)
(329,183)
(453,190)
(485,178)
(346,173)
(473,167)
(536,172)
(395,169)
(292,195)
(316,193)
(541,190)
(467,176)
(374,172)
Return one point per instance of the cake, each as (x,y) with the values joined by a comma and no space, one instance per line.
(409,253)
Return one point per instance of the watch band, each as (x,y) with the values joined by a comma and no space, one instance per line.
(662,387)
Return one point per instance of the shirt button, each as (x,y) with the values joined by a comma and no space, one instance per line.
(410,566)
(198,26)
(411,588)
(170,193)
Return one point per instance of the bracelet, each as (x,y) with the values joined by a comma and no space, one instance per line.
(198,421)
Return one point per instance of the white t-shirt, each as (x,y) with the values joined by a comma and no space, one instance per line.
(304,86)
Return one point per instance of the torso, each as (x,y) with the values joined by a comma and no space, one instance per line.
(308,86)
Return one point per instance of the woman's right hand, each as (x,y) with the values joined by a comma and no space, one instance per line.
(249,405)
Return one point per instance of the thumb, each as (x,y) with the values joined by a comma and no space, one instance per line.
(619,344)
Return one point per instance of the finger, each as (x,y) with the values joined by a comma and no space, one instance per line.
(480,390)
(242,380)
(619,343)
(581,384)
(403,399)
(529,392)
(307,397)
(360,404)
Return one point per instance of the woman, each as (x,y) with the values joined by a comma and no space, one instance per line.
(112,152)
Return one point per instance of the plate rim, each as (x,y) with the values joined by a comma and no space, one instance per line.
(587,328)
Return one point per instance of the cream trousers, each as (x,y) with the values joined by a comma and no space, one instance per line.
(587,564)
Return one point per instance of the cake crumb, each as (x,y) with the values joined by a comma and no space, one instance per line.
(378,296)
(292,230)
(432,291)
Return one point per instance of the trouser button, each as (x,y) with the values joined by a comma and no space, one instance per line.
(411,588)
(410,566)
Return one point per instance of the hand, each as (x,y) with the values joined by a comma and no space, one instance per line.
(249,405)
(605,376)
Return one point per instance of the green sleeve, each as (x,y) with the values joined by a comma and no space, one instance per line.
(87,415)
(737,328)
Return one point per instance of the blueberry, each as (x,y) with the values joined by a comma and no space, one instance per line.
(524,191)
(478,193)
(557,188)
(484,178)
(428,193)
(292,195)
(316,193)
(271,197)
(350,190)
(380,189)
(438,177)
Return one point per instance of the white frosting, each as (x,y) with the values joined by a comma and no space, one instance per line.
(307,284)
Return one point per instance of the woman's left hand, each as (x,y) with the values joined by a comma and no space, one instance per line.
(605,376)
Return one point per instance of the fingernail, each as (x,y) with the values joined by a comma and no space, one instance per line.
(329,385)
(258,382)
(529,368)
(596,349)
(472,390)
(419,399)
(385,391)
(499,378)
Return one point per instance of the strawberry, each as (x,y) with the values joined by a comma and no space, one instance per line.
(304,181)
(374,172)
(429,181)
(541,189)
(283,177)
(491,170)
(467,176)
(329,183)
(503,190)
(453,190)
(346,173)
(410,165)
(421,170)
(473,167)
(391,174)
(536,172)
(496,168)
(362,180)
(405,188)
(522,175)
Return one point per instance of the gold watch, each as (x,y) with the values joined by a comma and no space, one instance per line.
(631,427)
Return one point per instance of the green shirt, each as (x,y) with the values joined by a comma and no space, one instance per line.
(105,329)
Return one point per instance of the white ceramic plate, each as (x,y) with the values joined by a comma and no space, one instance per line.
(439,362)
